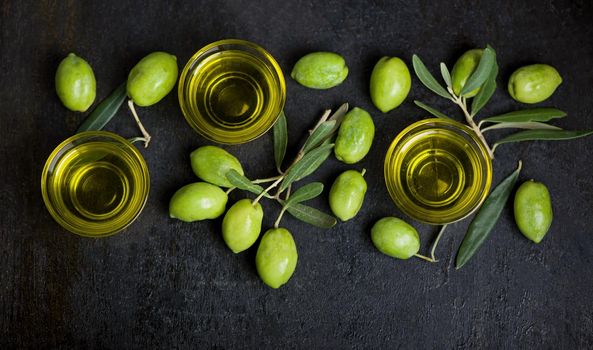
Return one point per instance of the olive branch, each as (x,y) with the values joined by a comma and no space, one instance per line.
(484,78)
(313,153)
(534,120)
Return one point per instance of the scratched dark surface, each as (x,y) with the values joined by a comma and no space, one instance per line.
(166,284)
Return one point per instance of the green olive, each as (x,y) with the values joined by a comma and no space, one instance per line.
(394,237)
(355,136)
(534,83)
(463,69)
(152,78)
(347,194)
(75,83)
(211,163)
(390,83)
(241,225)
(320,70)
(197,201)
(276,257)
(533,210)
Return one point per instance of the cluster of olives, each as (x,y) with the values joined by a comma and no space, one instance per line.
(353,142)
(533,215)
(149,81)
(390,79)
(276,257)
(155,76)
(529,84)
(390,84)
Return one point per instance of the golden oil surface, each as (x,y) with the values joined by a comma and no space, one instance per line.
(436,175)
(232,95)
(230,89)
(96,188)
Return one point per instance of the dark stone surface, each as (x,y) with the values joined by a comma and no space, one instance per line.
(166,284)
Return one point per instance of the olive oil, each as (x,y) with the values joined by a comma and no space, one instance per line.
(231,91)
(95,185)
(437,171)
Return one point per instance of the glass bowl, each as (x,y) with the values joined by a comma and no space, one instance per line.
(95,183)
(437,171)
(231,91)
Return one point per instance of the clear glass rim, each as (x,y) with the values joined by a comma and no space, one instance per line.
(408,132)
(55,156)
(213,48)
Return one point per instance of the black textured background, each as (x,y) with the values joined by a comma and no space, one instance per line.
(166,284)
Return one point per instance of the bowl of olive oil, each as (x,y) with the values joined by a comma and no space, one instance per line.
(232,91)
(437,171)
(95,183)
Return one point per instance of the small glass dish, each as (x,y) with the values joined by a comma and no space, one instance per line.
(437,171)
(231,91)
(95,183)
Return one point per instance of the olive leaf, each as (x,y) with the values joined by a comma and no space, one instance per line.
(323,155)
(485,220)
(103,113)
(339,114)
(482,72)
(527,115)
(306,165)
(242,183)
(522,125)
(309,191)
(427,79)
(545,135)
(486,91)
(320,134)
(280,140)
(310,215)
(446,75)
(430,110)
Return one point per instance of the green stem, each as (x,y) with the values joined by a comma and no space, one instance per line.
(436,242)
(462,103)
(142,129)
(136,139)
(229,190)
(268,179)
(277,223)
(494,147)
(425,258)
(266,190)
(491,127)
(452,93)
